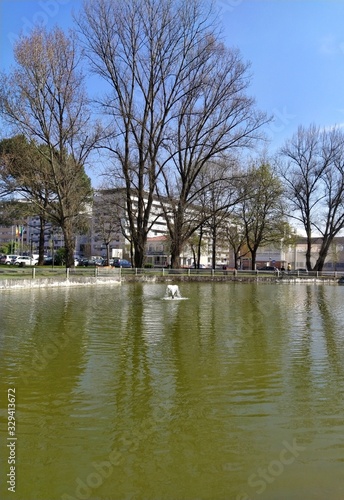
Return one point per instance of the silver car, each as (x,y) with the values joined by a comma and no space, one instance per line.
(25,260)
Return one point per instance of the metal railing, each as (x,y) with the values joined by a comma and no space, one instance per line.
(27,272)
(46,272)
(217,272)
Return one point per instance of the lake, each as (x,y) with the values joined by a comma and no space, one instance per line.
(234,392)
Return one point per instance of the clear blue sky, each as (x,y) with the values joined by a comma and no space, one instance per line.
(296,50)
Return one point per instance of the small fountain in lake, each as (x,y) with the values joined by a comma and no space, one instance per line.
(172,292)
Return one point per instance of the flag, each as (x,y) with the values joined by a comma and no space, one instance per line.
(19,231)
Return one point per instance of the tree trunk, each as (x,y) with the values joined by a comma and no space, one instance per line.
(175,254)
(308,252)
(213,251)
(41,242)
(194,257)
(107,244)
(139,253)
(69,241)
(322,254)
(236,258)
(199,247)
(177,240)
(254,257)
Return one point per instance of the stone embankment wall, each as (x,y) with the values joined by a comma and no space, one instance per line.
(6,284)
(179,278)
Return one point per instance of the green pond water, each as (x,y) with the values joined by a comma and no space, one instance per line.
(235,392)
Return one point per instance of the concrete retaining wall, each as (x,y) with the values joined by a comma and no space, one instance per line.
(6,284)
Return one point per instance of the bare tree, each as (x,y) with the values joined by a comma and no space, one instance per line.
(312,169)
(44,99)
(218,195)
(108,218)
(236,238)
(197,244)
(214,118)
(261,210)
(167,72)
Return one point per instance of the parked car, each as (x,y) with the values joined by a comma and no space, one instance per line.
(36,256)
(48,261)
(7,259)
(24,260)
(93,261)
(267,268)
(82,261)
(99,261)
(121,263)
